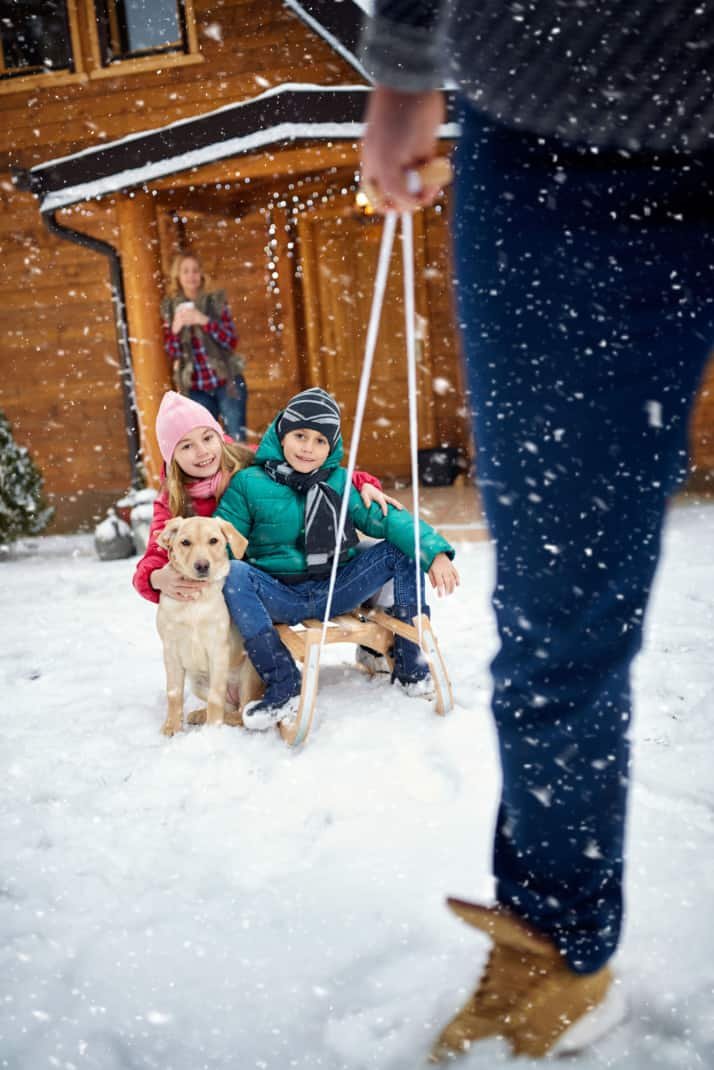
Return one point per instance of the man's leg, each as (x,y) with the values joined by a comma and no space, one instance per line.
(585,293)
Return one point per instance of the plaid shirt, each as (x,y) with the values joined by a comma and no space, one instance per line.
(222,331)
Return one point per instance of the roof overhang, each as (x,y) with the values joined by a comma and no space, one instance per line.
(282,114)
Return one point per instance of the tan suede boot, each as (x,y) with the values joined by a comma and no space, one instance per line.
(527,993)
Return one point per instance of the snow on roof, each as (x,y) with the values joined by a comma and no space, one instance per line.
(289,112)
(275,90)
(208,154)
(338,24)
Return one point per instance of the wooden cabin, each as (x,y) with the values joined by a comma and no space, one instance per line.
(231,128)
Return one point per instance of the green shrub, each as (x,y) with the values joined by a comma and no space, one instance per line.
(23,509)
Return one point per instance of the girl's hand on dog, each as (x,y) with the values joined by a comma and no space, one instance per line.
(171,583)
(370,494)
(443,576)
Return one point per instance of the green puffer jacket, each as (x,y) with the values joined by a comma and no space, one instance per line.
(272,516)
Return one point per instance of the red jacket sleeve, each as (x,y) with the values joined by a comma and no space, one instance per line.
(154,556)
(360,478)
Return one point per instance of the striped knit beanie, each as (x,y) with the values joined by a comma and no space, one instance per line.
(314,409)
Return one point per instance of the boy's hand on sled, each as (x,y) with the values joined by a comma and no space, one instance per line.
(443,576)
(370,494)
(171,583)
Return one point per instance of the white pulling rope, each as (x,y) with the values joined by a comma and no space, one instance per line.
(385,252)
(410,323)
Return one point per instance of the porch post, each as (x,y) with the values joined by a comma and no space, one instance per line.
(141,264)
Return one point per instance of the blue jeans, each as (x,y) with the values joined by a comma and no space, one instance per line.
(585,286)
(256,599)
(231,409)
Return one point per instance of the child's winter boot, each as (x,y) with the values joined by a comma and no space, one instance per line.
(528,994)
(281,677)
(410,667)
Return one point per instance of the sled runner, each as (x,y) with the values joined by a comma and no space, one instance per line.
(372,628)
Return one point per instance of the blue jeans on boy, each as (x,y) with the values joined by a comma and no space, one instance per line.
(585,282)
(231,409)
(256,600)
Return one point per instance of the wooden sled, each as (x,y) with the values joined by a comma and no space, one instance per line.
(373,628)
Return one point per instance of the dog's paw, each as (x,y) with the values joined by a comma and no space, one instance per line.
(170,728)
(234,718)
(197,717)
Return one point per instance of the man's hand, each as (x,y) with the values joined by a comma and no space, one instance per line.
(401,134)
(443,576)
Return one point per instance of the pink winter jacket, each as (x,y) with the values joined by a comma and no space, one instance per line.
(156,557)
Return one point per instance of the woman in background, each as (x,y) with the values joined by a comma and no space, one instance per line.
(200,338)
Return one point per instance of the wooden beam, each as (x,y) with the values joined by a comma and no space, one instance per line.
(141,262)
(266,164)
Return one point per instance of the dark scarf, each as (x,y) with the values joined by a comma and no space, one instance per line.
(322,514)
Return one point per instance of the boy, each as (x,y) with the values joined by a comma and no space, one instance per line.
(287,506)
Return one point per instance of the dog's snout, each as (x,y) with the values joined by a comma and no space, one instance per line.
(202,568)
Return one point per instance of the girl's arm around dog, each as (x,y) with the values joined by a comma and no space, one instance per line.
(155,557)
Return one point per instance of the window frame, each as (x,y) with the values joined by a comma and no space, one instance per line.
(87,54)
(134,64)
(19,82)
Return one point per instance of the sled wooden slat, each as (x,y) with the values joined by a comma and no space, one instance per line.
(373,628)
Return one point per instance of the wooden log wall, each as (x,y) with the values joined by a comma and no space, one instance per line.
(247,46)
(60,383)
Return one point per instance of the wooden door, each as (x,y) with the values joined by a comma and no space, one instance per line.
(338,252)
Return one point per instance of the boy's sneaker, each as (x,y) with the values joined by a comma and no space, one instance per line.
(371,661)
(421,688)
(259,716)
(528,994)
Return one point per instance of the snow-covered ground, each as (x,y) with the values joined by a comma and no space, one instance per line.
(218,901)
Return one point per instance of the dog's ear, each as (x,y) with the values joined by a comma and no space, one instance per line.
(235,540)
(167,536)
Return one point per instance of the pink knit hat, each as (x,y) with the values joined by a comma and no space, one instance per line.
(177,416)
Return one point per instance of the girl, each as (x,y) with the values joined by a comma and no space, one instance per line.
(199,463)
(200,339)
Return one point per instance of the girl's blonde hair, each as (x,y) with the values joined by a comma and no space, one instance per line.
(234,457)
(174,286)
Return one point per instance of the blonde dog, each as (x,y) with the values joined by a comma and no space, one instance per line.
(198,636)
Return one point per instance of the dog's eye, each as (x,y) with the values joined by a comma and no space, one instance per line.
(213,541)
(185,542)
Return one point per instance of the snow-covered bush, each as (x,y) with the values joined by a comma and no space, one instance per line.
(23,509)
(113,539)
(139,506)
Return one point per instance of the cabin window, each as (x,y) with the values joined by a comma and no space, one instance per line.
(131,29)
(35,38)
